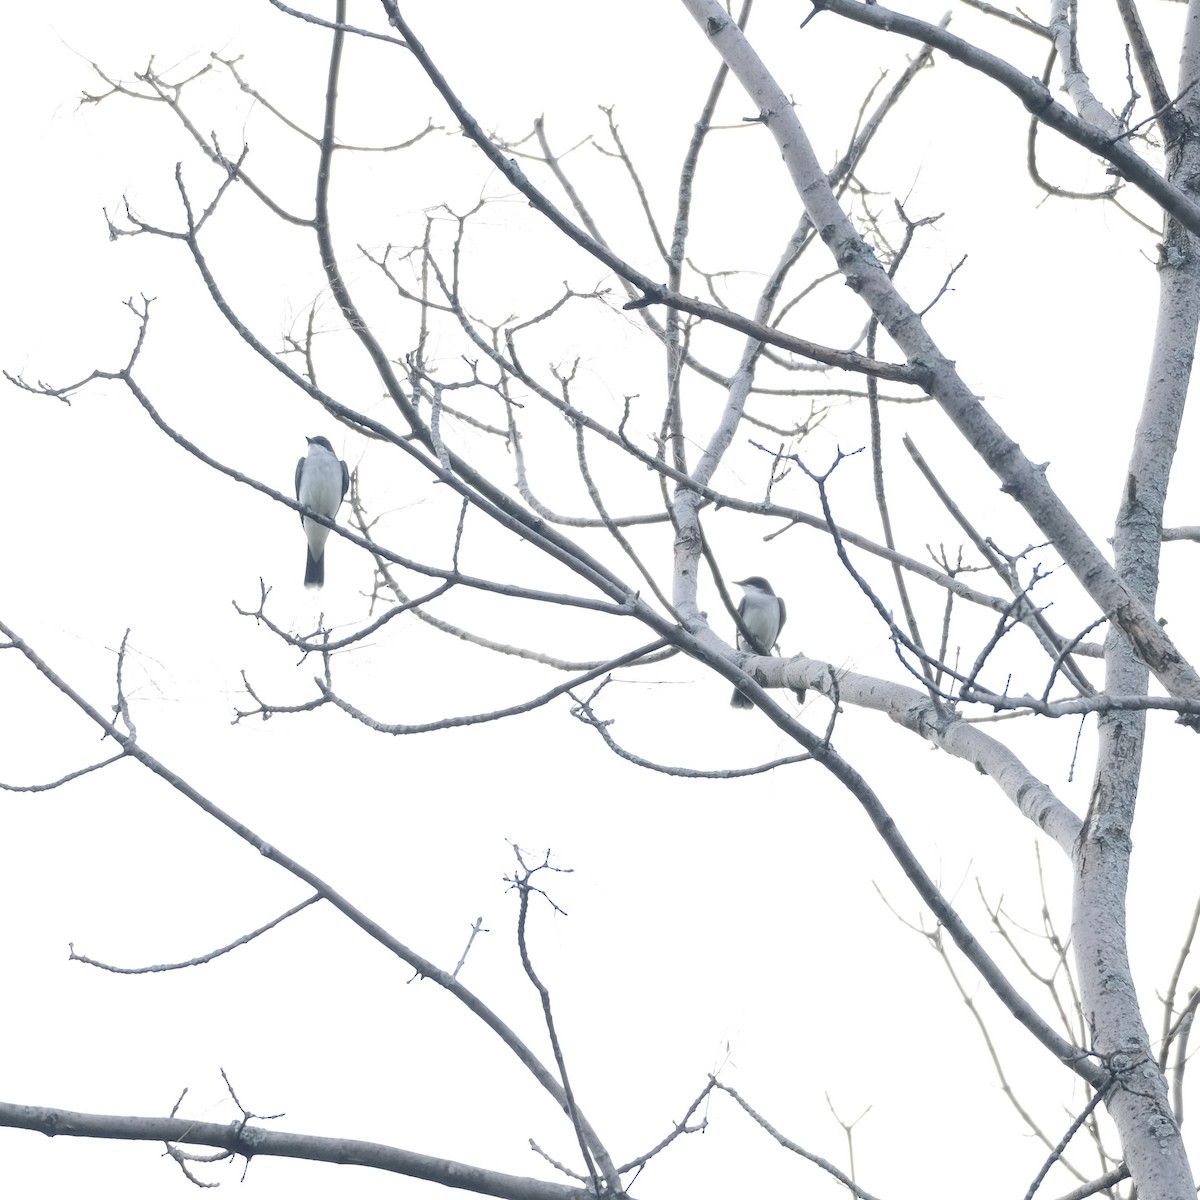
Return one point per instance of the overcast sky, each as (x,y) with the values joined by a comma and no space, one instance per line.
(744,925)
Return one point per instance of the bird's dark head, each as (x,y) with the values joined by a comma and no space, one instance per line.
(757,582)
(320,441)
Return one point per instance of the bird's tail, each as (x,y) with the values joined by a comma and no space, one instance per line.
(314,571)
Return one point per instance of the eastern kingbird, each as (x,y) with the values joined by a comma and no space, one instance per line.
(763,614)
(321,482)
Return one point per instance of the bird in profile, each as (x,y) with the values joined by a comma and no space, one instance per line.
(763,614)
(321,482)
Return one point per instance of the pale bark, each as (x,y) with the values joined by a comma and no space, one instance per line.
(1075,78)
(1139,1103)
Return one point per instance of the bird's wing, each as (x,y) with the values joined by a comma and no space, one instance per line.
(299,472)
(345,479)
(782,615)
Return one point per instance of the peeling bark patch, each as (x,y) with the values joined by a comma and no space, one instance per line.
(1114,983)
(1163,1129)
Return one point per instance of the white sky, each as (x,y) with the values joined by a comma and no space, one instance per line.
(701,915)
